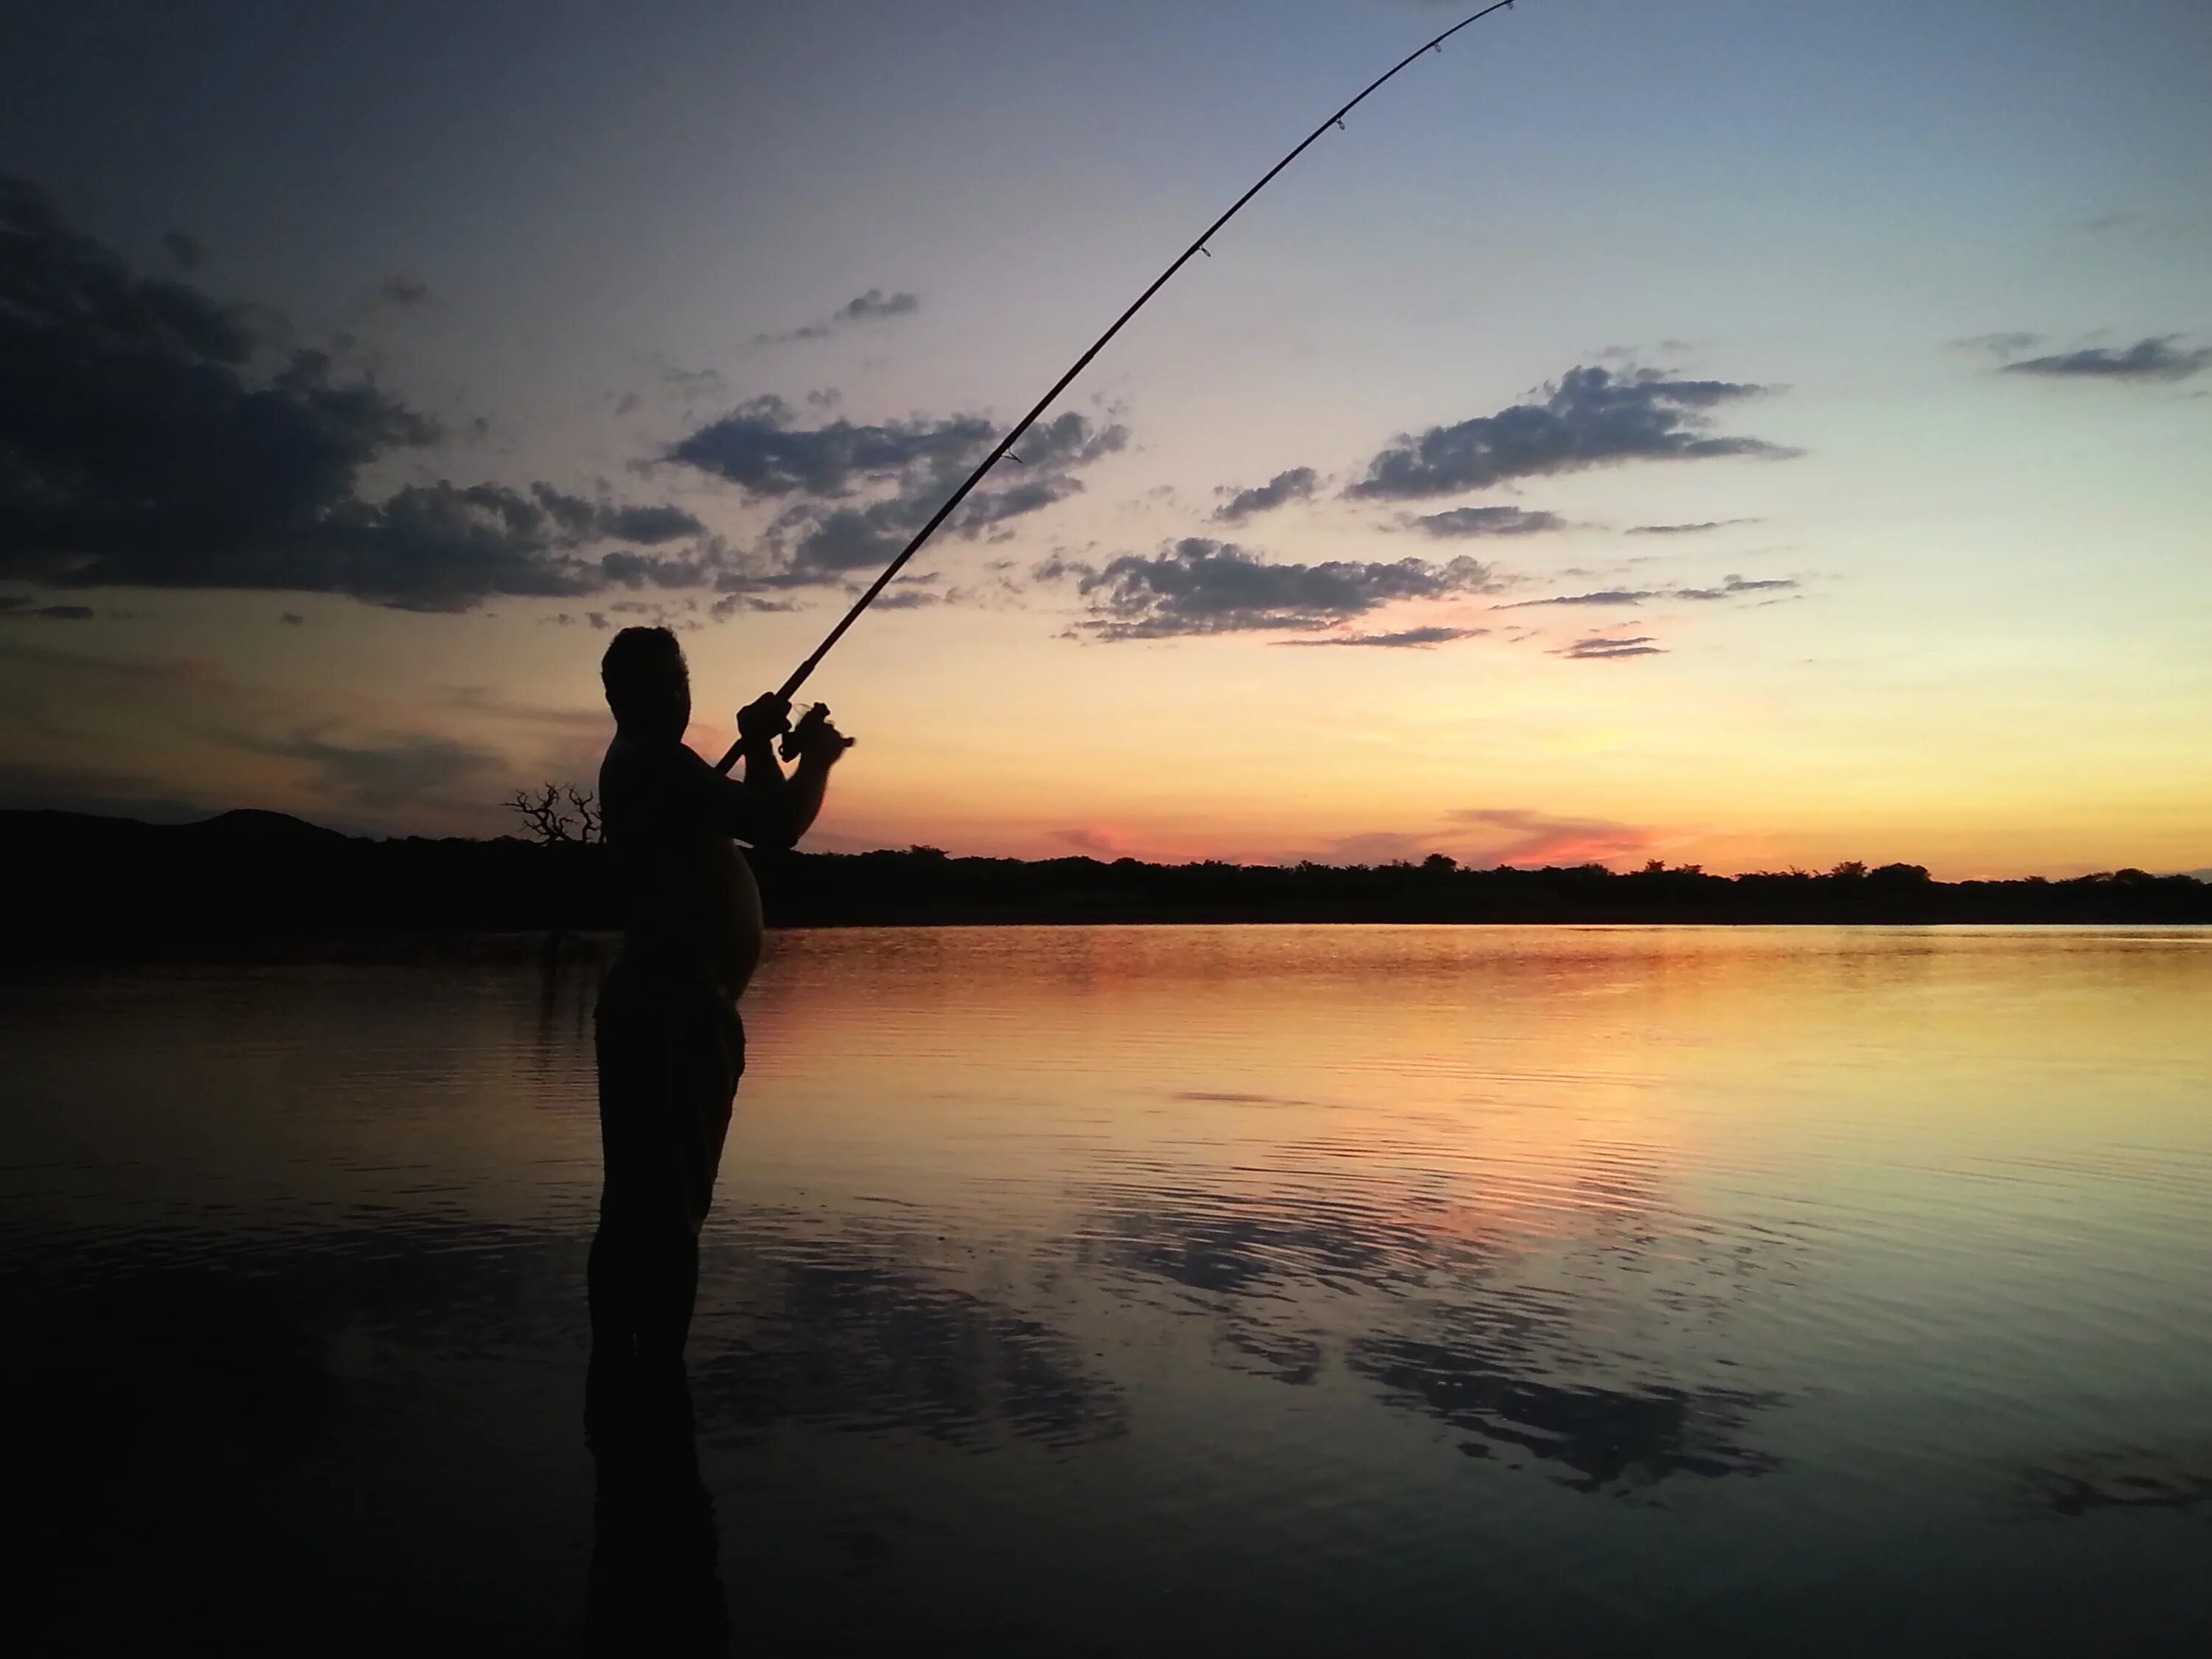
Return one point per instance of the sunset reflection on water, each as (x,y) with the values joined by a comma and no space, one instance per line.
(1301,1288)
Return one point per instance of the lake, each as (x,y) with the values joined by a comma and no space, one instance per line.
(1145,1291)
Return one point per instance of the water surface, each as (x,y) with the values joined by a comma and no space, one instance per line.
(1136,1291)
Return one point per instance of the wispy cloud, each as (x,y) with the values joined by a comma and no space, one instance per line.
(1481,838)
(1600,649)
(1729,587)
(382,771)
(1413,639)
(1529,838)
(13,607)
(874,305)
(1199,586)
(1465,521)
(2157,358)
(2003,344)
(1697,529)
(1590,417)
(1297,484)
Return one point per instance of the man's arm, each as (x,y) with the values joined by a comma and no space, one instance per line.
(768,809)
(820,745)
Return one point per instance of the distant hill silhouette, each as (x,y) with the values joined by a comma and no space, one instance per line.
(91,884)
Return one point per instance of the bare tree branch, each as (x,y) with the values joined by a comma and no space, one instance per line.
(587,803)
(541,813)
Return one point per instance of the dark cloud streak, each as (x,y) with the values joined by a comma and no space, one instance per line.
(874,305)
(1405,639)
(1729,587)
(2157,358)
(1199,586)
(1591,417)
(1605,650)
(1297,485)
(1464,521)
(1697,529)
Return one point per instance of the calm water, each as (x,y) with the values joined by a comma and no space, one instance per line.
(1360,1290)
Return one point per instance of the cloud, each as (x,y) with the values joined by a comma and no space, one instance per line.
(1591,417)
(439,547)
(17,608)
(1733,588)
(1199,586)
(2157,358)
(2159,227)
(693,384)
(184,248)
(1297,484)
(1404,638)
(2009,342)
(1536,838)
(1605,650)
(152,436)
(755,447)
(1602,596)
(1697,529)
(405,291)
(378,773)
(593,722)
(910,467)
(874,305)
(588,520)
(1461,521)
(1729,587)
(1481,838)
(1098,841)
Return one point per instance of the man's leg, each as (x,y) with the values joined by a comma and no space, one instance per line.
(701,1060)
(614,1272)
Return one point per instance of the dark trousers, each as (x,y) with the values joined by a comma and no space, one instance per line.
(670,1051)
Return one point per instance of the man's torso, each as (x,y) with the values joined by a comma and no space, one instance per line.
(689,901)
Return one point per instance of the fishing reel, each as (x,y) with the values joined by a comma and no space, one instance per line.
(794,740)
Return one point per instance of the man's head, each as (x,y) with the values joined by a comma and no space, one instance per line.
(647,685)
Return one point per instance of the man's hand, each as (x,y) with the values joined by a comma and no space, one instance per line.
(764,718)
(815,741)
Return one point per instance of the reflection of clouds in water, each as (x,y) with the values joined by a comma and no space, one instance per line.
(846,1336)
(2136,1479)
(1477,1327)
(1247,1244)
(260,1338)
(1613,1440)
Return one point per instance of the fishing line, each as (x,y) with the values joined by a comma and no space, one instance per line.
(800,675)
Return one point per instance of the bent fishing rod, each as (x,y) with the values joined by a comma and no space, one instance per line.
(800,675)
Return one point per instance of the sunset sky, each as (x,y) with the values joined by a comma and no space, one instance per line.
(1750,434)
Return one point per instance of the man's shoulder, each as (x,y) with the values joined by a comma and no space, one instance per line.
(635,762)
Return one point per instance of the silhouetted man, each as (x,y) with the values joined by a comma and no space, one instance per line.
(670,1046)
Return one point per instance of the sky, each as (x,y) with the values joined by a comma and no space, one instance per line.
(1750,435)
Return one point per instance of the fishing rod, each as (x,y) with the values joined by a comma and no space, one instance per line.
(800,675)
